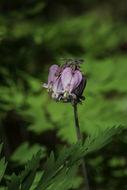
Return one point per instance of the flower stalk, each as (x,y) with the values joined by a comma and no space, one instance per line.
(66,84)
(79,138)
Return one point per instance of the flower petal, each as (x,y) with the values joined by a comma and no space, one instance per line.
(66,78)
(70,79)
(79,90)
(52,73)
(45,85)
(57,86)
(76,79)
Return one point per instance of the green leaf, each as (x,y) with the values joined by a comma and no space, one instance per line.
(29,181)
(3,166)
(25,152)
(36,179)
(25,180)
(97,141)
(15,183)
(71,157)
(31,166)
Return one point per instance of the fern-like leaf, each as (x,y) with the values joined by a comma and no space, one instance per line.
(3,164)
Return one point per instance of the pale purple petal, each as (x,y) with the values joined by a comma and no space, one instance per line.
(70,79)
(45,85)
(57,86)
(52,73)
(66,78)
(79,90)
(76,79)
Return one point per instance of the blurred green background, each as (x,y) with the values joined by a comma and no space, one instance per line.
(35,35)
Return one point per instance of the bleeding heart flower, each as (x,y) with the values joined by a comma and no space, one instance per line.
(54,73)
(57,88)
(79,90)
(70,79)
(66,83)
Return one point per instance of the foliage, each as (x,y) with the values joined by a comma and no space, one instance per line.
(25,152)
(3,164)
(34,35)
(58,174)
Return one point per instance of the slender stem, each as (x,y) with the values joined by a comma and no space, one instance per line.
(79,137)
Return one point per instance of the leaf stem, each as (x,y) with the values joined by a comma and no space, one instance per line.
(79,137)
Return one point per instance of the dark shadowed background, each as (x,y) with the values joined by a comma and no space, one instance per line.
(35,34)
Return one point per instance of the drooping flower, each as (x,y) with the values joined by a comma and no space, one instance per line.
(79,90)
(57,88)
(54,73)
(70,79)
(66,83)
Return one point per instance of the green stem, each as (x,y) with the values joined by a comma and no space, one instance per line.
(79,137)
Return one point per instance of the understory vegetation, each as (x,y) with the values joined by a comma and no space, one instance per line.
(38,144)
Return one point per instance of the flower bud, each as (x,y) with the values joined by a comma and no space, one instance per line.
(79,90)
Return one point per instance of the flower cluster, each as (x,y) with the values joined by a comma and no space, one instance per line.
(66,83)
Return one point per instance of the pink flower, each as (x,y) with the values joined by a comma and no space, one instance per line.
(57,88)
(66,83)
(54,73)
(70,79)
